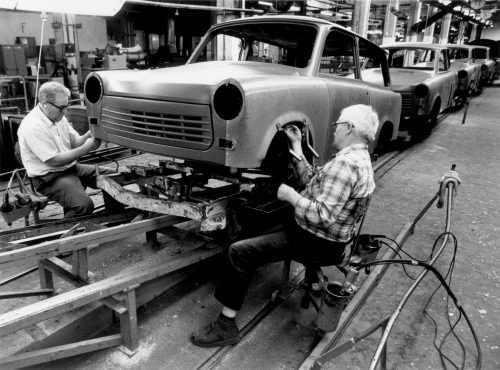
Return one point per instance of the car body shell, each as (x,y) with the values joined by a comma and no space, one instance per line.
(488,66)
(467,63)
(272,95)
(442,85)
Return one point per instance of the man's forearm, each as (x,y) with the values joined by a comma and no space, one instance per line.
(82,139)
(64,158)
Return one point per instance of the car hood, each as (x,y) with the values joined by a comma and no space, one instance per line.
(403,78)
(194,83)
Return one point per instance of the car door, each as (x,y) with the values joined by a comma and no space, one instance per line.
(339,67)
(448,78)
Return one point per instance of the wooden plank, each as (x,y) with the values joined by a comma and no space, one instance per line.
(53,229)
(46,278)
(25,293)
(72,243)
(355,304)
(80,263)
(64,271)
(10,246)
(18,275)
(59,352)
(128,323)
(137,274)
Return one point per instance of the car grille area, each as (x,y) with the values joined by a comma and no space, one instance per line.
(407,103)
(180,125)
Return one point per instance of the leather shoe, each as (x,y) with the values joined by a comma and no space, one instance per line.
(216,334)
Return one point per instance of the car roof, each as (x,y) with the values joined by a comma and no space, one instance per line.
(413,45)
(285,19)
(458,46)
(291,18)
(288,18)
(480,47)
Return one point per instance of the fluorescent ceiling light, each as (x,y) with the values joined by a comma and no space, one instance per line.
(82,7)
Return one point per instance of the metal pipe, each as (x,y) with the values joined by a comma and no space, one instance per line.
(193,7)
(407,295)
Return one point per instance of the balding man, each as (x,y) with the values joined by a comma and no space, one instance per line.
(325,217)
(50,148)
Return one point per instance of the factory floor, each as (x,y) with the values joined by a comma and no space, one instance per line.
(285,337)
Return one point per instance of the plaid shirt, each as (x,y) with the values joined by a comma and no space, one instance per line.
(329,200)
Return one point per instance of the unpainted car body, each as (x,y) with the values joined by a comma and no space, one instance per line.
(488,66)
(461,58)
(422,74)
(246,80)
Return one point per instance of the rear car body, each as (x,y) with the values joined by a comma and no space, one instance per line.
(462,59)
(488,66)
(246,79)
(422,74)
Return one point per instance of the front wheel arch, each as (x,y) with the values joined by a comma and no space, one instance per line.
(278,157)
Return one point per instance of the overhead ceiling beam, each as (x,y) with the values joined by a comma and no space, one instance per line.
(444,9)
(193,7)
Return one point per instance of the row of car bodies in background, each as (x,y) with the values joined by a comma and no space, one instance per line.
(432,78)
(250,77)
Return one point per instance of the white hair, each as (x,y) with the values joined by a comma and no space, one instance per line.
(50,90)
(364,119)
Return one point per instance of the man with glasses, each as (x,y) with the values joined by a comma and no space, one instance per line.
(325,217)
(50,148)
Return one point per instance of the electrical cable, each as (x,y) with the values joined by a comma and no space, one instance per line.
(396,251)
(444,284)
(452,326)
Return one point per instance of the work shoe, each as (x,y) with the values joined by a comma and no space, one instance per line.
(222,332)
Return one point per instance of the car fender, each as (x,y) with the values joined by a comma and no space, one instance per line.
(270,104)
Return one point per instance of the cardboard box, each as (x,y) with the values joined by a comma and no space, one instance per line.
(115,62)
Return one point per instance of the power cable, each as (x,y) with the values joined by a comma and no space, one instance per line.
(443,284)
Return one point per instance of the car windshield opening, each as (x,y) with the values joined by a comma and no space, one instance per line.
(287,44)
(412,58)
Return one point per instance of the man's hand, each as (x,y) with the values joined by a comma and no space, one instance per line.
(64,158)
(92,144)
(288,194)
(294,135)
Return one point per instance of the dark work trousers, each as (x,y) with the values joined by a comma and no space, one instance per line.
(68,188)
(247,255)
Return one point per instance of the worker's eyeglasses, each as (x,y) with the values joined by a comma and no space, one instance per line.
(341,123)
(62,108)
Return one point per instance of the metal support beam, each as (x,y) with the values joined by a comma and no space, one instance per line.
(390,22)
(445,29)
(360,17)
(415,11)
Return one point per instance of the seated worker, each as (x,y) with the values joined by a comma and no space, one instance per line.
(50,148)
(324,217)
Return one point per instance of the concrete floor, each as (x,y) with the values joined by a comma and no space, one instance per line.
(284,338)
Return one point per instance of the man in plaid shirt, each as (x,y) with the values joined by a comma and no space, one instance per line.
(325,217)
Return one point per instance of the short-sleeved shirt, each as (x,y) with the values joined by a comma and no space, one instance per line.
(40,139)
(328,204)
